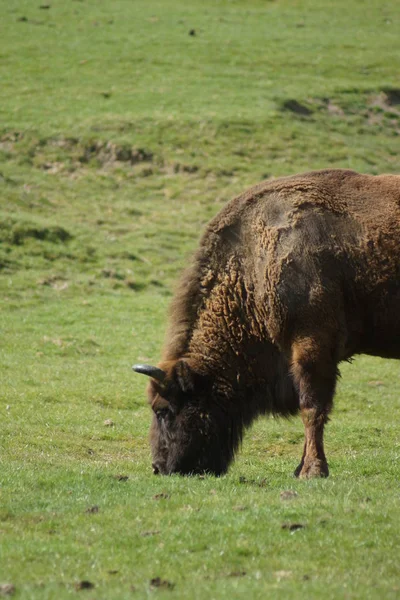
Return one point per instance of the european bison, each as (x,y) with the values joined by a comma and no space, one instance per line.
(291,277)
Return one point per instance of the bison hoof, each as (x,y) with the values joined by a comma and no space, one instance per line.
(312,468)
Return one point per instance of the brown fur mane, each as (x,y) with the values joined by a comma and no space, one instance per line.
(185,309)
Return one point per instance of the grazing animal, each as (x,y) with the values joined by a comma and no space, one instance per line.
(291,277)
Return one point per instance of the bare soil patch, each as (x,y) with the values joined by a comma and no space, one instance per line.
(84,585)
(158,583)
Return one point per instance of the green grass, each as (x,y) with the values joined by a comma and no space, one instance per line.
(121,135)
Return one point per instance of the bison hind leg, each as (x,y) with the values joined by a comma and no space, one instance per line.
(311,468)
(314,371)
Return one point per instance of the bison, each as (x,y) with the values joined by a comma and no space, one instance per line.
(292,277)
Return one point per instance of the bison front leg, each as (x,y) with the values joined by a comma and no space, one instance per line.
(314,372)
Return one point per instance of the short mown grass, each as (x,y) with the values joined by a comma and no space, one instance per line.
(124,127)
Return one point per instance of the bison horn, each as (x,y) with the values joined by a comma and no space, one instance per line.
(150,371)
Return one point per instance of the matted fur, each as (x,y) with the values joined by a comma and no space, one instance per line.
(290,278)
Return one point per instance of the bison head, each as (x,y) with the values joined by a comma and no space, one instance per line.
(191,432)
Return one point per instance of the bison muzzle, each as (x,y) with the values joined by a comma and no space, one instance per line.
(290,278)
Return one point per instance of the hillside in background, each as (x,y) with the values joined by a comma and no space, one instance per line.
(124,127)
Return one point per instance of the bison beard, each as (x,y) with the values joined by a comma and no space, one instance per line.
(291,277)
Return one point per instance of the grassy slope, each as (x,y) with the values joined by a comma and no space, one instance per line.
(121,135)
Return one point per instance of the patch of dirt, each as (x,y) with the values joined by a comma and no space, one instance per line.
(7,589)
(366,500)
(326,105)
(12,136)
(60,343)
(149,533)
(67,143)
(121,477)
(17,232)
(262,483)
(83,585)
(112,274)
(92,510)
(126,278)
(380,109)
(70,156)
(157,583)
(334,109)
(144,171)
(108,152)
(53,167)
(292,526)
(392,96)
(288,495)
(237,574)
(181,168)
(162,496)
(57,282)
(386,101)
(7,147)
(296,107)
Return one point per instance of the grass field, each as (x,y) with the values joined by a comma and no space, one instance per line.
(124,127)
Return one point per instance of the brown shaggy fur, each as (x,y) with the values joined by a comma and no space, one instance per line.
(290,278)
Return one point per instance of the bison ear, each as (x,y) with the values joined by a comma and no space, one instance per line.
(184,376)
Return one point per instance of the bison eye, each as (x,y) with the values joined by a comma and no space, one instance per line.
(162,413)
